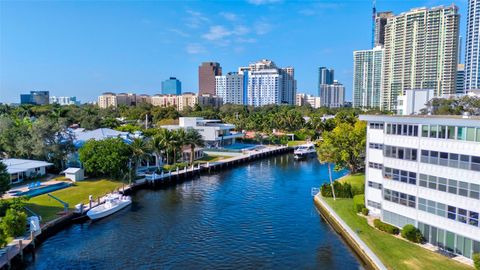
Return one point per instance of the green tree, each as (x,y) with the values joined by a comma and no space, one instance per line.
(3,238)
(347,143)
(326,154)
(140,151)
(194,139)
(14,222)
(106,157)
(4,179)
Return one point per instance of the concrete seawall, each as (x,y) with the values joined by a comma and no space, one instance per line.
(361,249)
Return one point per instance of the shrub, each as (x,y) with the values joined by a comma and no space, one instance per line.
(357,190)
(411,233)
(14,222)
(358,203)
(342,190)
(382,226)
(476,260)
(365,211)
(3,238)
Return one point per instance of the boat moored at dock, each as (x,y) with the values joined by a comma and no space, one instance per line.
(304,150)
(113,203)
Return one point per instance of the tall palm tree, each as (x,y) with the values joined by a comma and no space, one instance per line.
(164,138)
(326,154)
(177,141)
(157,147)
(193,138)
(140,150)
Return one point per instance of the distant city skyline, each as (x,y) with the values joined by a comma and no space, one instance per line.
(85,48)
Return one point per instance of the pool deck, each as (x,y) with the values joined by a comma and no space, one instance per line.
(24,188)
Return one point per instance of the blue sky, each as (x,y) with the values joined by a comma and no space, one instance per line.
(84,48)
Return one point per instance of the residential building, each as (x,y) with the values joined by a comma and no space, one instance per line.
(380,22)
(206,77)
(332,95)
(21,169)
(109,99)
(172,86)
(64,100)
(421,48)
(214,132)
(472,46)
(181,102)
(230,88)
(367,77)
(165,100)
(460,86)
(425,171)
(413,101)
(35,98)
(264,83)
(305,99)
(325,75)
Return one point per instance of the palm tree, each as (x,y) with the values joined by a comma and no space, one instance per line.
(161,143)
(193,138)
(140,150)
(157,148)
(326,154)
(177,141)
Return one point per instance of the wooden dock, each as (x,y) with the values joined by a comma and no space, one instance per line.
(12,250)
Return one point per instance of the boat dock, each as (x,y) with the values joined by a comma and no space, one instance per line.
(13,249)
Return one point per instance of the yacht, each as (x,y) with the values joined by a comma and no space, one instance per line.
(113,203)
(304,151)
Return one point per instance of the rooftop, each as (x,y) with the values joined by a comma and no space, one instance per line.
(15,165)
(420,119)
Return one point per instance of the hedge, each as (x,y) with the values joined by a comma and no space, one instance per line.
(365,211)
(382,226)
(342,190)
(411,233)
(358,203)
(476,260)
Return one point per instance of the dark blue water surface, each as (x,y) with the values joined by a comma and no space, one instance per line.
(258,215)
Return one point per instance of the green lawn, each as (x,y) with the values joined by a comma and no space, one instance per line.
(395,253)
(295,143)
(211,158)
(48,208)
(355,180)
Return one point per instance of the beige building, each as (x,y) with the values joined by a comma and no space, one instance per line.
(305,99)
(421,48)
(107,99)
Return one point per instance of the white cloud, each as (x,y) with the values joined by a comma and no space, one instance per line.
(195,19)
(195,48)
(241,30)
(179,32)
(217,32)
(262,28)
(262,2)
(246,40)
(229,16)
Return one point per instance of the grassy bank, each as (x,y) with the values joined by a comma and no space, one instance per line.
(395,253)
(211,158)
(295,143)
(48,208)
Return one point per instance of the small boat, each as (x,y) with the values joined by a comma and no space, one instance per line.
(304,151)
(113,203)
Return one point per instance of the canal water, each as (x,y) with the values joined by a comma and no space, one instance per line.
(255,216)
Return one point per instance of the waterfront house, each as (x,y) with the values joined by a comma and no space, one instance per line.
(213,131)
(21,169)
(425,171)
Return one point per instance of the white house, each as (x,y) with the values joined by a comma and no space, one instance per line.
(20,169)
(214,132)
(425,171)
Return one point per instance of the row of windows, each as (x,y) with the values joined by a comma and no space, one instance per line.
(449,241)
(448,211)
(400,175)
(451,186)
(451,132)
(399,197)
(374,185)
(375,165)
(376,125)
(374,204)
(400,152)
(402,129)
(376,146)
(451,160)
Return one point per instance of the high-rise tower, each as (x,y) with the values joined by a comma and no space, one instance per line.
(206,77)
(472,46)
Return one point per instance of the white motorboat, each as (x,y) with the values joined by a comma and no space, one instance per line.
(304,150)
(113,203)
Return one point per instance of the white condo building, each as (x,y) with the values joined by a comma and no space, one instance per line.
(306,99)
(230,88)
(425,171)
(421,48)
(367,77)
(64,100)
(332,95)
(472,50)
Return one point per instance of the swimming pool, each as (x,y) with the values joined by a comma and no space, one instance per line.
(42,190)
(240,146)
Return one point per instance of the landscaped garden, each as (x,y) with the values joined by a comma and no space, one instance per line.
(395,253)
